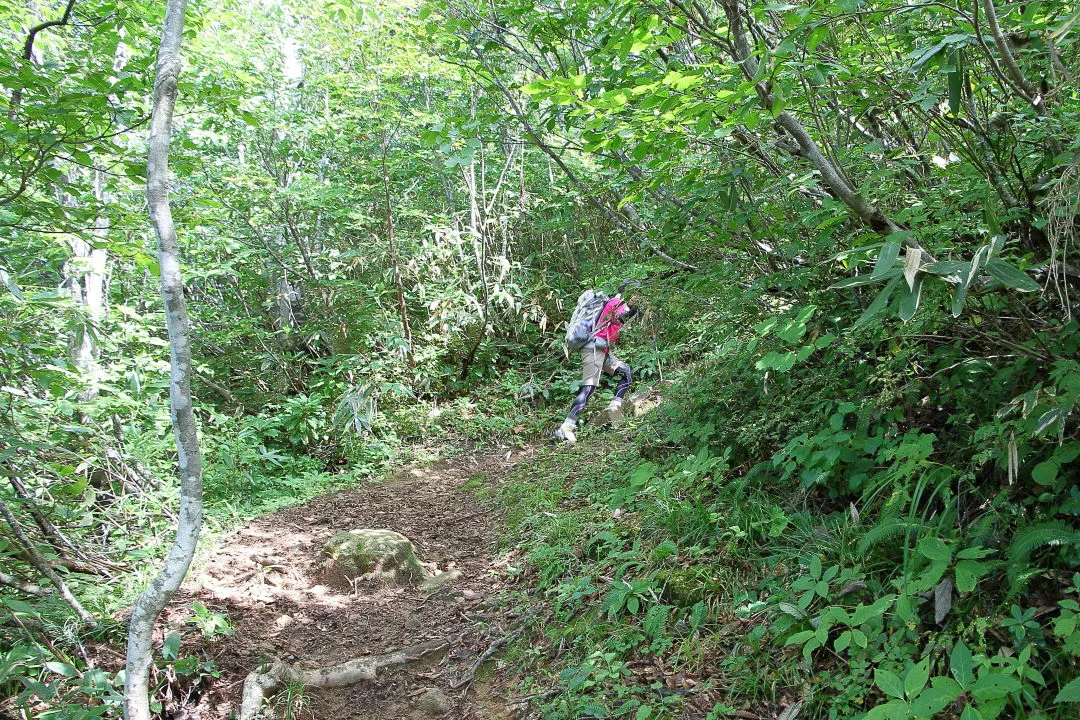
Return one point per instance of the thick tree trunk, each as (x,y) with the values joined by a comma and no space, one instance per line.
(150,603)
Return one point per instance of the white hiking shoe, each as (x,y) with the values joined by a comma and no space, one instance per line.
(566,432)
(613,413)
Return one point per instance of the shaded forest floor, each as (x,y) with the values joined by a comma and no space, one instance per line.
(265,578)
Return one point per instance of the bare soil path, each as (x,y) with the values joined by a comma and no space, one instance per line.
(265,577)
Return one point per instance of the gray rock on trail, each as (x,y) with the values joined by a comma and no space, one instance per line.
(433,702)
(375,555)
(643,402)
(436,582)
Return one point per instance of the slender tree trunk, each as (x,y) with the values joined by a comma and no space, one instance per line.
(151,602)
(553,157)
(1023,86)
(402,306)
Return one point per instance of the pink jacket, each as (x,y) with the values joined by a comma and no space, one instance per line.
(610,320)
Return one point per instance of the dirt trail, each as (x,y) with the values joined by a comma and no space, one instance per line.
(265,578)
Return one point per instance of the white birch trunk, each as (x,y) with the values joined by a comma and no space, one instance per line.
(151,602)
(87,282)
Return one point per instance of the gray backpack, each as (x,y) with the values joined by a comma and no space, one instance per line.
(579,331)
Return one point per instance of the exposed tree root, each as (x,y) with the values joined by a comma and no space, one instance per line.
(509,637)
(268,679)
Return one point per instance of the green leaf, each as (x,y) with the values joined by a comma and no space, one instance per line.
(991,218)
(889,683)
(1045,472)
(967,574)
(170,650)
(915,679)
(909,299)
(699,614)
(880,302)
(1066,453)
(817,36)
(1049,418)
(891,710)
(965,281)
(974,553)
(947,685)
(971,713)
(924,56)
(772,360)
(1010,276)
(956,81)
(930,577)
(809,648)
(994,685)
(1063,29)
(535,88)
(934,549)
(11,285)
(1069,693)
(947,267)
(856,281)
(799,638)
(931,701)
(961,664)
(62,668)
(765,326)
(886,258)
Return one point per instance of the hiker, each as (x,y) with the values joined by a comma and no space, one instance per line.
(596,356)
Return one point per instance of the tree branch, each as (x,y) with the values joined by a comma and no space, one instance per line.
(28,49)
(42,565)
(14,582)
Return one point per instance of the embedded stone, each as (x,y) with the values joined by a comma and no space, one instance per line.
(433,702)
(436,582)
(373,555)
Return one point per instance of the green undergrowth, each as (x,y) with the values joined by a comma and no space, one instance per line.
(254,464)
(745,550)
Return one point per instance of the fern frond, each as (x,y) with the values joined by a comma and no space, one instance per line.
(1033,537)
(886,529)
(655,622)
